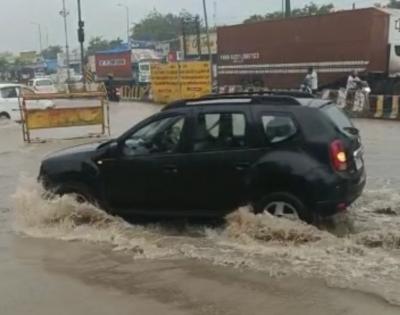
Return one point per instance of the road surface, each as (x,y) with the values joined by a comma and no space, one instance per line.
(63,258)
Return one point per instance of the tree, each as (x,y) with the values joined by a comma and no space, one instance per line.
(4,64)
(19,63)
(393,4)
(98,44)
(115,43)
(51,52)
(309,9)
(257,18)
(159,27)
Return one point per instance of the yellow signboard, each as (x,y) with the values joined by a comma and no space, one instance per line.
(181,80)
(64,117)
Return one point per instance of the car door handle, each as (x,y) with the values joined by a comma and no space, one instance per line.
(242,166)
(170,169)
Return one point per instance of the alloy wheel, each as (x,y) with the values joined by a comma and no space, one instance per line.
(282,209)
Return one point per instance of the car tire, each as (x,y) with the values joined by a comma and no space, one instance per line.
(81,193)
(4,116)
(284,205)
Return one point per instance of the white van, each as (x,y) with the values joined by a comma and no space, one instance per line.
(9,101)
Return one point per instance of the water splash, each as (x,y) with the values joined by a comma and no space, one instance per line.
(368,260)
(65,219)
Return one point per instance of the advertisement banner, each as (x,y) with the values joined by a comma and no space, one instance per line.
(64,117)
(180,80)
(192,44)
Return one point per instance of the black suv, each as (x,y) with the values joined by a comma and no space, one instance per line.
(291,156)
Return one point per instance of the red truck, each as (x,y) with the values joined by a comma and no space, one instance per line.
(116,63)
(277,53)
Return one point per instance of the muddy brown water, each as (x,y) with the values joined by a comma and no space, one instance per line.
(66,258)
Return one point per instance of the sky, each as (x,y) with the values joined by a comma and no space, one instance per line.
(105,18)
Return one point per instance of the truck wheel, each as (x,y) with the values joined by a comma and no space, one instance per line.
(4,116)
(284,205)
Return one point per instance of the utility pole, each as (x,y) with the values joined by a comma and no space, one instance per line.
(288,8)
(184,38)
(127,22)
(215,14)
(81,39)
(64,13)
(208,34)
(198,36)
(283,8)
(40,36)
(47,37)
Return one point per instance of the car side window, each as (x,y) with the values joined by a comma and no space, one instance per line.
(278,128)
(26,91)
(160,136)
(9,92)
(220,131)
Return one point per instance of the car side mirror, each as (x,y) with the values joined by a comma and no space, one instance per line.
(113,148)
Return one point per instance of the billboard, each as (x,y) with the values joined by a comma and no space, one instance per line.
(192,44)
(180,80)
(28,56)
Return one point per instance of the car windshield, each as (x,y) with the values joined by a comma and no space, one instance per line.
(144,67)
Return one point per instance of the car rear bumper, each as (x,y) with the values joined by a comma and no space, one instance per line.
(344,192)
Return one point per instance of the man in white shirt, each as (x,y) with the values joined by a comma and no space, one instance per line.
(312,79)
(352,81)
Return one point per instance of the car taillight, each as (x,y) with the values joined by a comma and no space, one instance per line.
(338,156)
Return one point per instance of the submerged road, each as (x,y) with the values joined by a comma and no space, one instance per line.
(62,258)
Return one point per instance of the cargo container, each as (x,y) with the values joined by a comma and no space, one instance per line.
(125,65)
(277,53)
(114,62)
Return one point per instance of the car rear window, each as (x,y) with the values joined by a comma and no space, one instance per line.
(337,116)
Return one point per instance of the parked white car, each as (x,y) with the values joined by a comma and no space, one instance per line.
(9,101)
(42,85)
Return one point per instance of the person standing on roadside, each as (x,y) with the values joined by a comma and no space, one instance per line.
(352,81)
(311,80)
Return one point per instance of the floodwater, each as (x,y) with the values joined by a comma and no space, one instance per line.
(60,257)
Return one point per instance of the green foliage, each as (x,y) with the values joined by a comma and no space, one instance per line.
(394,4)
(309,9)
(4,64)
(19,62)
(51,52)
(159,27)
(99,44)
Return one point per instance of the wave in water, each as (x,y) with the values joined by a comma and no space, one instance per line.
(368,260)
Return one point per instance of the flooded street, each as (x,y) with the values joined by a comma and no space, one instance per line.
(61,257)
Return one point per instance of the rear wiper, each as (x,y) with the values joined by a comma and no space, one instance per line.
(352,130)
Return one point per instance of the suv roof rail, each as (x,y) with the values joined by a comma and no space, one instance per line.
(239,98)
(298,94)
